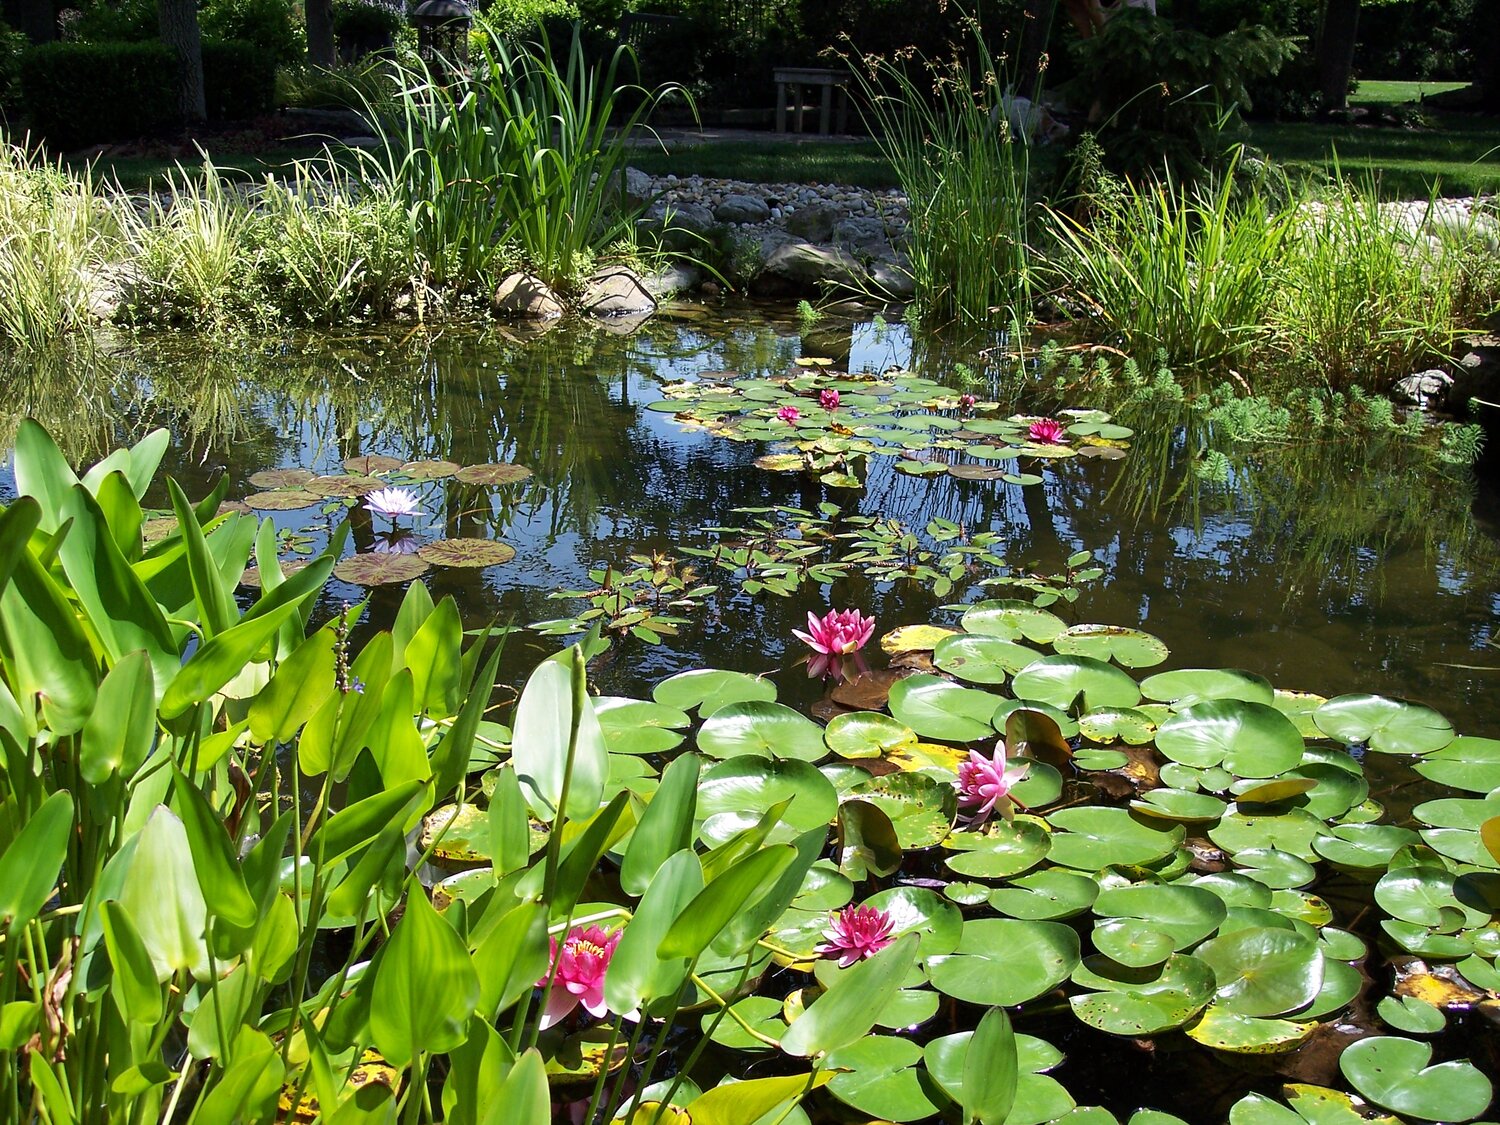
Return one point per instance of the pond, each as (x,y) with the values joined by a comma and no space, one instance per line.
(1333,565)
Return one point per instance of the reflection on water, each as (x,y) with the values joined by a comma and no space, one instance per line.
(1325,566)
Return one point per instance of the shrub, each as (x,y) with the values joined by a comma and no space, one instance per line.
(519,19)
(78,93)
(12,47)
(239,79)
(265,23)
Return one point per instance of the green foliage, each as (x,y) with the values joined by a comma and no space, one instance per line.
(1171,99)
(239,79)
(75,93)
(265,23)
(945,130)
(12,46)
(366,19)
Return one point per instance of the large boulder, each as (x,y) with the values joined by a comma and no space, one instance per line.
(814,222)
(523,295)
(679,277)
(616,292)
(638,188)
(892,277)
(678,227)
(742,209)
(804,267)
(863,235)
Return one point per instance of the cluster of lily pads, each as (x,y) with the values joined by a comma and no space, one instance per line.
(389,488)
(1192,857)
(833,421)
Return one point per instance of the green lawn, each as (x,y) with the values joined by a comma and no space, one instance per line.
(773,161)
(139,173)
(1377,91)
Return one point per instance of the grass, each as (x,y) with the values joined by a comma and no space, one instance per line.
(153,173)
(860,163)
(1374,91)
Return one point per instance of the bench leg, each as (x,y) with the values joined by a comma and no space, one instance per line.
(843,111)
(797,108)
(825,110)
(781,107)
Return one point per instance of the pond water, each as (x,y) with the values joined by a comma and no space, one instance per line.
(1311,567)
(1328,567)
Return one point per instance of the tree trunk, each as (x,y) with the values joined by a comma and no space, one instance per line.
(1336,52)
(36,18)
(178,20)
(320,48)
(1487,59)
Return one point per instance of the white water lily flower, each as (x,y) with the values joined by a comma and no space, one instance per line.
(393,503)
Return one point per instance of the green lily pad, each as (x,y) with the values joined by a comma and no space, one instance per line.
(1236,889)
(1422,895)
(1059,680)
(1130,647)
(762,1013)
(279,478)
(1249,739)
(935,708)
(1000,851)
(1003,961)
(639,726)
(879,1076)
(1225,1030)
(867,734)
(1263,971)
(1185,914)
(708,689)
(1131,942)
(1012,620)
(342,486)
(467,552)
(1091,758)
(1299,707)
(1176,804)
(1411,1014)
(375,568)
(981,659)
(1275,868)
(1045,895)
(762,728)
(1291,831)
(1187,686)
(1066,725)
(1389,726)
(937,924)
(781,462)
(1466,763)
(1094,837)
(921,809)
(1393,1073)
(287,500)
(1041,786)
(733,794)
(1135,1015)
(1319,1105)
(1458,812)
(1341,984)
(1126,724)
(1255,791)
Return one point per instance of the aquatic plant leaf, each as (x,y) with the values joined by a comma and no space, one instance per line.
(1180,805)
(33,860)
(1262,971)
(733,794)
(283,501)
(914,638)
(1001,962)
(1000,851)
(921,808)
(847,1011)
(542,734)
(867,734)
(981,659)
(1321,1106)
(1093,837)
(1422,894)
(1275,868)
(965,471)
(369,464)
(763,729)
(1047,895)
(935,708)
(1059,680)
(1130,647)
(1412,1015)
(280,478)
(1466,763)
(1186,686)
(708,689)
(375,568)
(1389,726)
(1249,739)
(1363,846)
(1185,914)
(1225,1030)
(1011,620)
(1134,1014)
(429,470)
(880,1077)
(466,552)
(753,1101)
(1393,1073)
(340,486)
(490,475)
(1254,791)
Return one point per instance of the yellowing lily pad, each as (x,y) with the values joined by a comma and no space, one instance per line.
(430,470)
(467,552)
(375,568)
(371,463)
(283,501)
(492,474)
(280,478)
(914,638)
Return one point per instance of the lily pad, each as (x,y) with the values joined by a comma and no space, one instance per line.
(935,708)
(1187,686)
(1130,647)
(982,659)
(1059,680)
(1466,763)
(1094,837)
(1125,724)
(1185,914)
(761,728)
(430,470)
(1249,739)
(1389,726)
(867,734)
(1225,1030)
(913,638)
(1263,971)
(1411,1015)
(375,568)
(708,689)
(371,463)
(280,478)
(937,924)
(1011,620)
(284,501)
(1003,961)
(733,794)
(494,474)
(1000,851)
(467,552)
(1045,895)
(1393,1073)
(921,809)
(879,1076)
(341,486)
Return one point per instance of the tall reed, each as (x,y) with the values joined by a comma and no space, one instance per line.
(946,131)
(518,158)
(1188,273)
(54,246)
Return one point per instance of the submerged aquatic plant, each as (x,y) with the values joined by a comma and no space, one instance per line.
(838,633)
(854,933)
(984,784)
(577,974)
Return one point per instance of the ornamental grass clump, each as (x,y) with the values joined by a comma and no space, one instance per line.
(945,128)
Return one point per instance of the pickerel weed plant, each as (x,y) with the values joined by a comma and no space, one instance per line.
(520,158)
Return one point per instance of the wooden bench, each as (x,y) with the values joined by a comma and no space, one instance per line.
(831,82)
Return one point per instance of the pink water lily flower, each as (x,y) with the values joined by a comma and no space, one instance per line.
(828,399)
(985,783)
(578,974)
(393,503)
(789,414)
(838,633)
(966,404)
(1046,431)
(854,933)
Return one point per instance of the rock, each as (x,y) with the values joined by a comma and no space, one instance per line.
(678,227)
(742,209)
(804,266)
(521,294)
(616,292)
(892,276)
(815,222)
(674,279)
(638,188)
(1427,390)
(867,235)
